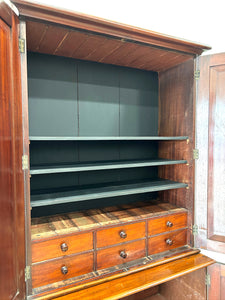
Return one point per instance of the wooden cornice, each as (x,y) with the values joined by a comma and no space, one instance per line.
(7,9)
(97,25)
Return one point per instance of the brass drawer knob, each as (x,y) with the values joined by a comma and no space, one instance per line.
(169,224)
(169,242)
(64,247)
(64,270)
(123,254)
(123,234)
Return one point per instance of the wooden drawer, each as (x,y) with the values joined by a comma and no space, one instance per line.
(51,271)
(167,223)
(120,234)
(114,255)
(62,246)
(168,241)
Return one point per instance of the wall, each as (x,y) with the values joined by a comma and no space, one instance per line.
(200,21)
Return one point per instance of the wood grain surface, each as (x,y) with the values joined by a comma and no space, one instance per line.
(160,225)
(106,27)
(190,286)
(139,281)
(107,237)
(217,287)
(210,165)
(50,271)
(53,248)
(111,256)
(12,285)
(176,116)
(158,243)
(45,228)
(55,40)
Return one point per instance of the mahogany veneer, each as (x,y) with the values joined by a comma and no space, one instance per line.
(108,252)
(139,281)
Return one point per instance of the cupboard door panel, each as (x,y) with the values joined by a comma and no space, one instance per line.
(12,281)
(210,167)
(216,158)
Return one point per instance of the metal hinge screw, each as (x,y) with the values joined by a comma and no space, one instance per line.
(27,273)
(25,162)
(197,74)
(21,45)
(195,154)
(195,229)
(207,279)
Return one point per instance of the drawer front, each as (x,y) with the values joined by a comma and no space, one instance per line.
(62,246)
(168,241)
(120,234)
(120,254)
(167,223)
(61,269)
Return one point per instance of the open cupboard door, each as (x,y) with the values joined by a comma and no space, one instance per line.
(119,248)
(12,257)
(210,179)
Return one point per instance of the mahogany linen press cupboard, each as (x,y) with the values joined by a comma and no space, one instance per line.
(96,152)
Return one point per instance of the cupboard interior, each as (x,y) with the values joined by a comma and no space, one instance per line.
(96,136)
(106,137)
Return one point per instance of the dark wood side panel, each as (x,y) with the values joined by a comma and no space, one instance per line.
(176,117)
(217,286)
(191,286)
(12,258)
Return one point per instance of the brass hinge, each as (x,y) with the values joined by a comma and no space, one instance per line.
(21,45)
(197,74)
(195,229)
(195,154)
(207,279)
(25,162)
(27,273)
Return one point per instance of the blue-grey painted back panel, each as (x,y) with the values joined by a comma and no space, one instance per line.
(138,103)
(53,153)
(78,98)
(40,183)
(52,91)
(95,203)
(98,94)
(69,98)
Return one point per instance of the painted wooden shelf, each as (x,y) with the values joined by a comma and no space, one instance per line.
(104,191)
(108,138)
(106,165)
